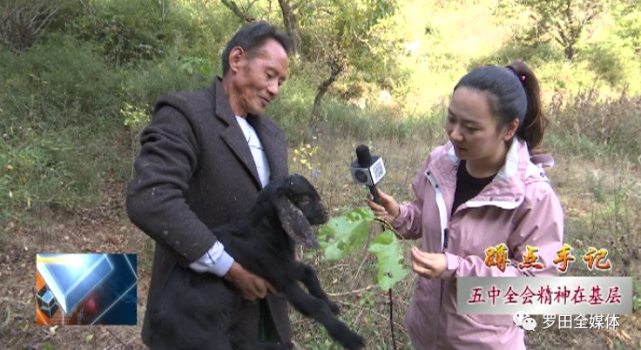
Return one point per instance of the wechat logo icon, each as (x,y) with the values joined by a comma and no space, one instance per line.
(523,320)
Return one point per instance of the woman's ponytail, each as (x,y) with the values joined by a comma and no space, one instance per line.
(534,123)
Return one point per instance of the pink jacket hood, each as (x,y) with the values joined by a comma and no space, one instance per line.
(518,208)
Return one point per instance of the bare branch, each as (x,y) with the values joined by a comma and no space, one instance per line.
(297,5)
(241,14)
(356,291)
(85,5)
(22,24)
(6,322)
(250,5)
(126,346)
(47,19)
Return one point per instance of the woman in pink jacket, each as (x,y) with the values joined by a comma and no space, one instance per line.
(483,188)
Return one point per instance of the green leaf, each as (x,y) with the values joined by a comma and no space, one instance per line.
(342,235)
(390,259)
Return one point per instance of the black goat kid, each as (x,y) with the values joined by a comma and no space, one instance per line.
(264,243)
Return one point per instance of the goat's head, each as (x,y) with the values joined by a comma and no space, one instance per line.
(299,207)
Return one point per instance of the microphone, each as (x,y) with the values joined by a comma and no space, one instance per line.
(368,170)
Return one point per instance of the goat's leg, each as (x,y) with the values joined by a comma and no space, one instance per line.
(307,275)
(241,342)
(320,312)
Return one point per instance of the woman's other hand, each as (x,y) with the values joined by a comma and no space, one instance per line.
(428,265)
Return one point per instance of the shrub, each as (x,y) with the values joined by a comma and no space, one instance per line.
(615,61)
(126,32)
(64,80)
(59,104)
(613,125)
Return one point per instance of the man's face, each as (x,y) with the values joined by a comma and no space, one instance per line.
(258,77)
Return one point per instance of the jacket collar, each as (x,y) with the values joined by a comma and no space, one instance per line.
(234,137)
(507,189)
(509,169)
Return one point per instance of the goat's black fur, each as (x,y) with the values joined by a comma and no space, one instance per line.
(264,244)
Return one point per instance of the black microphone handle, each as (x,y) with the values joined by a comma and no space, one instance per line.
(374,192)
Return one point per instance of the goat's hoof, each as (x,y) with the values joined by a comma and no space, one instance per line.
(353,341)
(334,308)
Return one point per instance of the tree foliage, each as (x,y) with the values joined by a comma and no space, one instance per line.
(85,66)
(628,24)
(563,21)
(346,38)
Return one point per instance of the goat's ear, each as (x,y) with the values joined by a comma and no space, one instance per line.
(294,222)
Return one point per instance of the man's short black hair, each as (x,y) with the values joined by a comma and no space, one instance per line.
(252,37)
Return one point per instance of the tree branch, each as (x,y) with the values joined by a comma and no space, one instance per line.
(356,291)
(238,12)
(290,20)
(249,6)
(22,24)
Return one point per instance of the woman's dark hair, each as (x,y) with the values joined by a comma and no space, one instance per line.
(513,93)
(252,37)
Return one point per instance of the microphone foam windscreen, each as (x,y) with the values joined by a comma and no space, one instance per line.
(363,155)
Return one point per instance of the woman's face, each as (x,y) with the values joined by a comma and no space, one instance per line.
(472,128)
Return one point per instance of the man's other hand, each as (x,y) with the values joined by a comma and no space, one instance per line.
(251,287)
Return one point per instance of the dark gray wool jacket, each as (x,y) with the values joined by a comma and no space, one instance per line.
(195,171)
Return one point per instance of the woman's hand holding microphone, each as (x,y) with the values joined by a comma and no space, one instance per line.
(387,210)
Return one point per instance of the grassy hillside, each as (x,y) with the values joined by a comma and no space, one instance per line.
(96,70)
(72,105)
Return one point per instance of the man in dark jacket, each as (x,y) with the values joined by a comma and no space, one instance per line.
(204,158)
